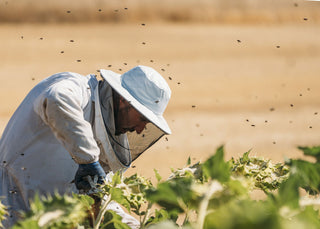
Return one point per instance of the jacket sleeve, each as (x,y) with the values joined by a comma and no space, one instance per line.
(61,108)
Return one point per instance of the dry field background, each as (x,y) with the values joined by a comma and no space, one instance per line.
(243,73)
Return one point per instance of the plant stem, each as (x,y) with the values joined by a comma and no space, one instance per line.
(102,211)
(204,203)
(185,209)
(145,217)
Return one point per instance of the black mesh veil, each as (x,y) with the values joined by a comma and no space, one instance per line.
(129,146)
(139,143)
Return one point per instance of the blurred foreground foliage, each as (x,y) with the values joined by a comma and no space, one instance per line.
(212,194)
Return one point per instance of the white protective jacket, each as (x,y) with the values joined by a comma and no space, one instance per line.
(58,126)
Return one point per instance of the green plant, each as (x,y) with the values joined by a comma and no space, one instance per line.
(54,211)
(3,213)
(212,194)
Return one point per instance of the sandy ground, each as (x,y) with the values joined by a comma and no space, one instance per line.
(247,87)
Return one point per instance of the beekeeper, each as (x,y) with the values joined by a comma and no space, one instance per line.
(70,126)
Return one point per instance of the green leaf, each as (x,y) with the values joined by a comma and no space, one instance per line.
(169,194)
(307,175)
(117,195)
(303,174)
(243,214)
(160,215)
(137,184)
(29,223)
(216,168)
(85,199)
(116,179)
(188,161)
(166,225)
(233,189)
(157,175)
(113,221)
(304,218)
(55,211)
(311,151)
(289,193)
(263,174)
(310,217)
(245,158)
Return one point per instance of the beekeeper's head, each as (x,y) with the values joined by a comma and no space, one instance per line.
(145,90)
(140,96)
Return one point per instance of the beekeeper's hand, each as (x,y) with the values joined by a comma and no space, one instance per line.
(85,170)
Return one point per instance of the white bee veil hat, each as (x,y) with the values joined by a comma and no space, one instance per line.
(146,90)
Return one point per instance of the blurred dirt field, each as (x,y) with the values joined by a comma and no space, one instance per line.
(247,86)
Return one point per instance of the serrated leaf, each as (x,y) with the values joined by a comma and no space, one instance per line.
(116,179)
(29,223)
(243,214)
(261,173)
(311,151)
(307,174)
(216,168)
(157,175)
(160,215)
(245,157)
(289,193)
(233,189)
(85,199)
(55,211)
(188,161)
(169,193)
(113,221)
(137,183)
(117,195)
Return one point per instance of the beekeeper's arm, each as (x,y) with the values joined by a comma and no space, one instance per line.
(61,108)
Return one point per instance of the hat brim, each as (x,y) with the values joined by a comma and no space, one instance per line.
(114,81)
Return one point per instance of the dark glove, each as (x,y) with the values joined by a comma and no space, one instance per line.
(85,170)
